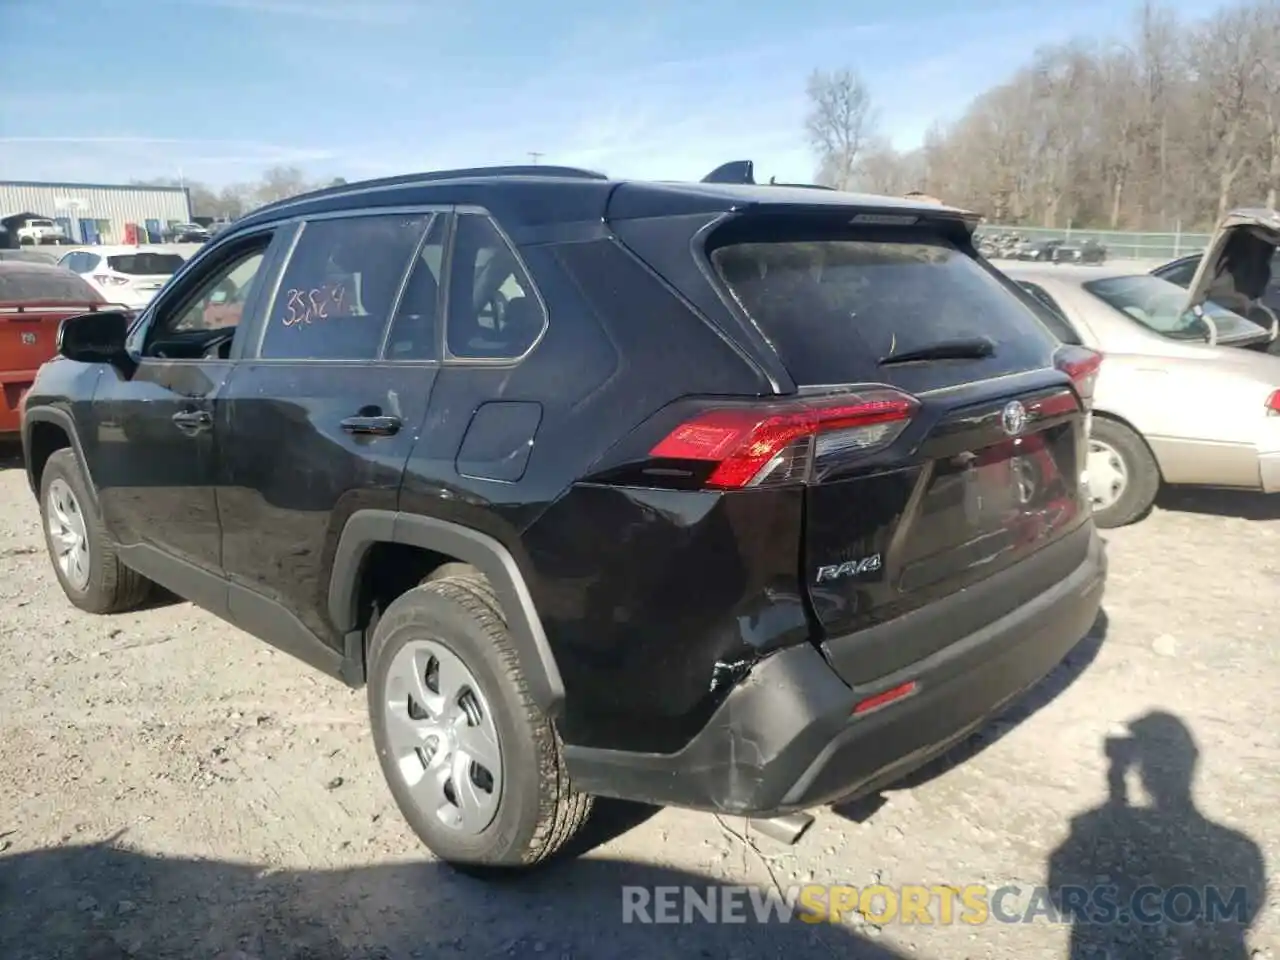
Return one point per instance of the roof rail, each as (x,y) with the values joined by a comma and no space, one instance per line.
(468,173)
(743,172)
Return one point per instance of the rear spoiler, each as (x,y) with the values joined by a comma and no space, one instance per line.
(743,172)
(38,308)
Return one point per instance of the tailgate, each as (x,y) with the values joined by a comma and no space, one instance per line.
(981,475)
(975,499)
(29,336)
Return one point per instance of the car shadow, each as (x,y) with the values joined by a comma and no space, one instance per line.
(11,455)
(108,902)
(1160,879)
(1066,673)
(1242,504)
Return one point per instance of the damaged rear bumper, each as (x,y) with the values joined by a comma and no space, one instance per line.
(786,738)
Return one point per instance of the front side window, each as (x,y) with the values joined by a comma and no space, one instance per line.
(1160,305)
(1182,273)
(213,309)
(335,297)
(494,313)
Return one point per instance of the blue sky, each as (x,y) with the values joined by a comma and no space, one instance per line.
(218,90)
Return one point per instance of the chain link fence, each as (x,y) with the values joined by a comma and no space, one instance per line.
(1120,244)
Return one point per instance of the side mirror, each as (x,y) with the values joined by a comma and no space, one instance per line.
(95,337)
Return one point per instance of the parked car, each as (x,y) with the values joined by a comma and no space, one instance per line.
(1087,251)
(1170,408)
(39,231)
(131,275)
(1256,298)
(27,255)
(1036,249)
(594,486)
(187,233)
(34,300)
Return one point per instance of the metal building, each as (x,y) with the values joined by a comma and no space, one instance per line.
(92,213)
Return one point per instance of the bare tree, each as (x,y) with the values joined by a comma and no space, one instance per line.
(840,122)
(1168,125)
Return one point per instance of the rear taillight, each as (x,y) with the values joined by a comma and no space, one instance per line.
(1080,364)
(107,280)
(1273,404)
(750,447)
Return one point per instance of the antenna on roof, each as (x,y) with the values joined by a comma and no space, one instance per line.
(735,171)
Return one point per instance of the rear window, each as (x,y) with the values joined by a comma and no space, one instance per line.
(145,264)
(40,223)
(33,286)
(833,308)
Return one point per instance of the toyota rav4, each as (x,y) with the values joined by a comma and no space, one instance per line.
(740,498)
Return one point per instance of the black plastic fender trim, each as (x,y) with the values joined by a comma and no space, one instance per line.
(62,420)
(365,528)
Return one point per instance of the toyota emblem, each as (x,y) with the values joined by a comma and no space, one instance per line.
(28,338)
(1013,418)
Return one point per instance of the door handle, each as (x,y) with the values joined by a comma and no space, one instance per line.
(192,421)
(376,426)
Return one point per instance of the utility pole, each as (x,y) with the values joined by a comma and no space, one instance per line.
(534,155)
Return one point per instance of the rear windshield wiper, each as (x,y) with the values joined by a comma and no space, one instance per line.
(973,348)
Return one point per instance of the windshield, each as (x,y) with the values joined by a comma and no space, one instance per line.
(145,264)
(40,223)
(1158,305)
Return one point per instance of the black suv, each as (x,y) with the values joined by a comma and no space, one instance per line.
(740,498)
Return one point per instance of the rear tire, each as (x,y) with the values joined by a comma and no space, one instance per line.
(478,819)
(83,554)
(1123,475)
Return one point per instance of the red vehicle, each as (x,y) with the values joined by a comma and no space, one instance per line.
(34,300)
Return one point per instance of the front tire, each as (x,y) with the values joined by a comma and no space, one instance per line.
(1123,475)
(473,764)
(84,557)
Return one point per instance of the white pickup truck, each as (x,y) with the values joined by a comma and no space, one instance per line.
(40,232)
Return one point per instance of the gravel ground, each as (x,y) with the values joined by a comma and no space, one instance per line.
(170,787)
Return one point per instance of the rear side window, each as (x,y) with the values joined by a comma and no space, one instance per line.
(337,291)
(33,286)
(145,264)
(494,313)
(833,308)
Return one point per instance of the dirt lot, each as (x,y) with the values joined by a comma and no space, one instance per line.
(170,787)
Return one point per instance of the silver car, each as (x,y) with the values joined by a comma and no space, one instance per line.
(1176,400)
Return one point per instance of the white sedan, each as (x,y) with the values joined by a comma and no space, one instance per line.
(1186,393)
(128,275)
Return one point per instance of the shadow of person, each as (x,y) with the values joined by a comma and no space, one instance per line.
(1157,881)
(106,902)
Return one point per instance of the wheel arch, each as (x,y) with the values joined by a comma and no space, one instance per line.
(366,529)
(1124,422)
(45,431)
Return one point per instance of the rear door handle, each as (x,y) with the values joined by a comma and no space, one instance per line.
(372,426)
(192,421)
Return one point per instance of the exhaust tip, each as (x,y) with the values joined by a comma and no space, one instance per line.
(787,829)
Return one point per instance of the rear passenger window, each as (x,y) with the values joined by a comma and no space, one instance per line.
(835,306)
(414,333)
(338,288)
(494,313)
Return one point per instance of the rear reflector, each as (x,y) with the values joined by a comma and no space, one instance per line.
(886,697)
(751,447)
(1273,404)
